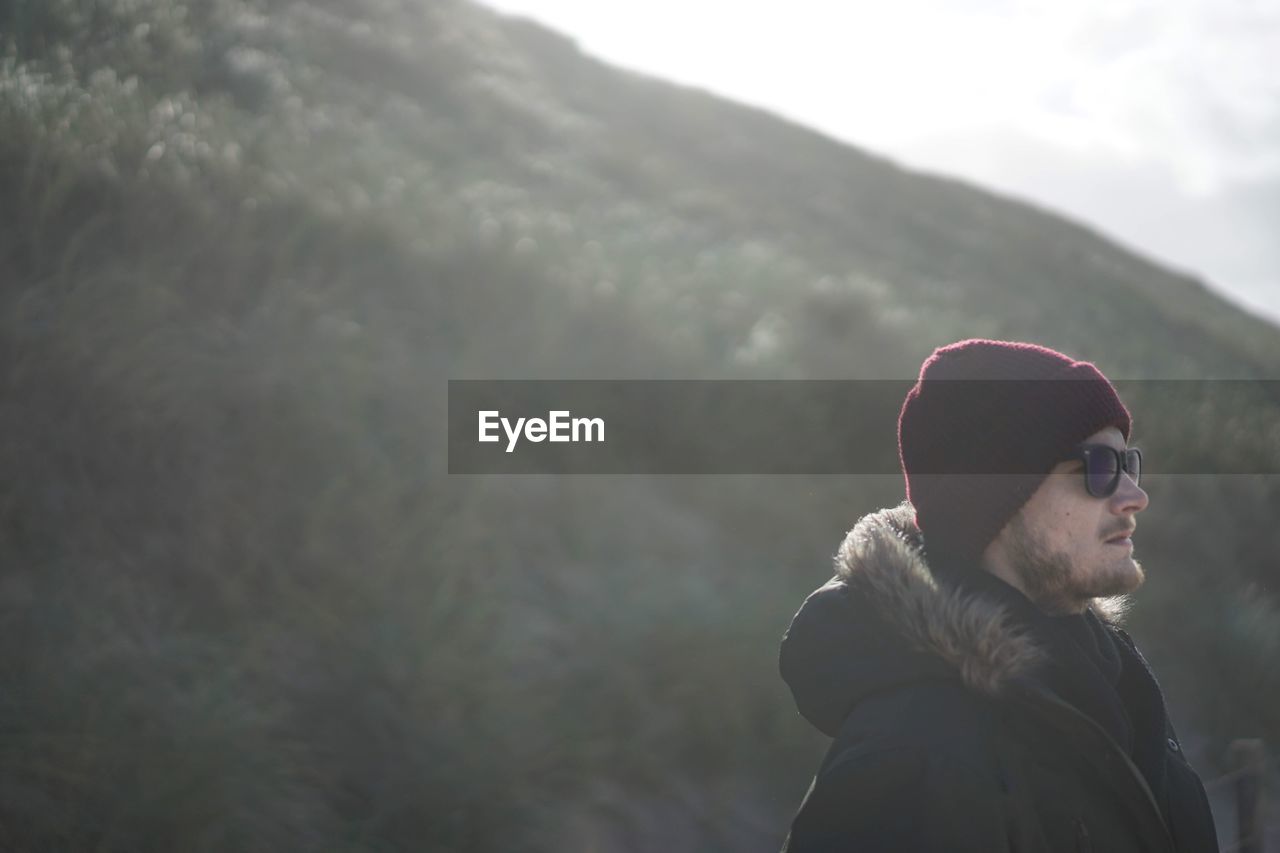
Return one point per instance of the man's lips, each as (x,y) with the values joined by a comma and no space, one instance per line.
(1121,538)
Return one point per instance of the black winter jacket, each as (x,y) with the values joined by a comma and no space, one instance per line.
(948,736)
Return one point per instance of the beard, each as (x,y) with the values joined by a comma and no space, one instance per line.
(1053,581)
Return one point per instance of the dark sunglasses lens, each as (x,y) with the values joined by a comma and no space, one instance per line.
(1101,471)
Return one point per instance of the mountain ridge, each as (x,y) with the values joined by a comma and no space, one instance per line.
(1092,246)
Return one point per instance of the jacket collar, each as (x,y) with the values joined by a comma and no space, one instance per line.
(882,561)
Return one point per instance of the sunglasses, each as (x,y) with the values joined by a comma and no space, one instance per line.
(1103,464)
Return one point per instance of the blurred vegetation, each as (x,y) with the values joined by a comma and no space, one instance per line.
(243,246)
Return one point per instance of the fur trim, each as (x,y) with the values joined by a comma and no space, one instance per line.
(883,558)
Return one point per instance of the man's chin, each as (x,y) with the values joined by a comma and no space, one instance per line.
(1128,578)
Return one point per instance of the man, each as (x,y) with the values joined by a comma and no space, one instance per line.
(968,659)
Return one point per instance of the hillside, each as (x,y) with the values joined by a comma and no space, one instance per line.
(244,245)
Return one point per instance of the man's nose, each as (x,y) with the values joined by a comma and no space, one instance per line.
(1129,496)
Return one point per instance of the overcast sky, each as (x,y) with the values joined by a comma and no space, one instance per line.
(1156,122)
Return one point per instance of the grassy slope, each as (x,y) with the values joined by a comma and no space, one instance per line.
(244,245)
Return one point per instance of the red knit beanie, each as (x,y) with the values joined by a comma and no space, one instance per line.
(974,451)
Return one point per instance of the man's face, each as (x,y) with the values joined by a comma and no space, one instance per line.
(1062,546)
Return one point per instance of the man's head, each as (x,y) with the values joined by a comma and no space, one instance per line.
(981,434)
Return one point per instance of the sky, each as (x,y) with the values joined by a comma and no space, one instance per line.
(1157,123)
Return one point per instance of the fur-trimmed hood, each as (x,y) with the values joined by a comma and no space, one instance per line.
(885,620)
